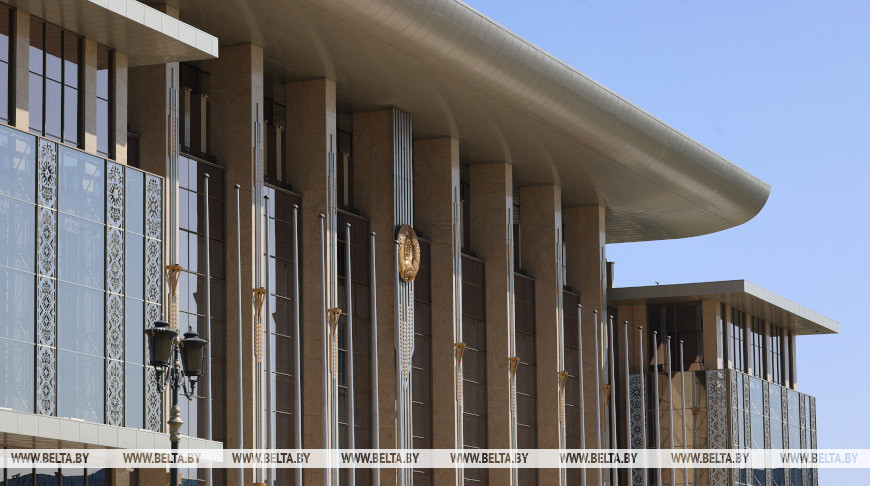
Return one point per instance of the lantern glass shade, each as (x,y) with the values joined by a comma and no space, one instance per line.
(160,337)
(192,347)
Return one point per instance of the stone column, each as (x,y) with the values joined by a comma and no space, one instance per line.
(768,353)
(711,327)
(491,206)
(792,359)
(237,102)
(381,145)
(728,347)
(311,132)
(541,241)
(119,105)
(586,271)
(436,168)
(19,104)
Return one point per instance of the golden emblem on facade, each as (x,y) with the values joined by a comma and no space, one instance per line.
(409,253)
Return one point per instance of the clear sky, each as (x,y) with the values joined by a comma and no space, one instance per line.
(782,89)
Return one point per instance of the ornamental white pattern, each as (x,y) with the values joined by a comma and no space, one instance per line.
(717,419)
(45,380)
(114,195)
(785,444)
(153,402)
(153,207)
(114,326)
(46,312)
(768,474)
(153,273)
(115,260)
(47,173)
(635,426)
(46,242)
(114,393)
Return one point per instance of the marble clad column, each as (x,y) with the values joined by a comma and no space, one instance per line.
(237,101)
(711,322)
(381,157)
(491,210)
(311,138)
(541,243)
(19,104)
(436,170)
(586,267)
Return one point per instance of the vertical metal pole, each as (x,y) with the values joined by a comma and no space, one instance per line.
(240,376)
(643,367)
(351,435)
(376,415)
(627,398)
(208,377)
(267,329)
(325,361)
(671,403)
(683,396)
(580,377)
(298,347)
(655,378)
(613,441)
(597,396)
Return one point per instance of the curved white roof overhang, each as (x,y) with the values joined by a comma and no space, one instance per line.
(460,74)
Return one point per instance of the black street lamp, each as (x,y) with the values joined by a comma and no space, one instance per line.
(165,350)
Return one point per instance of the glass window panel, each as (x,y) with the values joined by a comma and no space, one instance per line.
(80,386)
(81,184)
(134,396)
(72,60)
(81,314)
(135,335)
(73,477)
(103,127)
(53,52)
(103,65)
(16,375)
(17,237)
(52,109)
(36,44)
(17,165)
(47,477)
(71,115)
(35,94)
(17,295)
(5,30)
(135,266)
(135,201)
(81,252)
(19,477)
(4,93)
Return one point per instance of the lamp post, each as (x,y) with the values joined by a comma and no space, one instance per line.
(174,359)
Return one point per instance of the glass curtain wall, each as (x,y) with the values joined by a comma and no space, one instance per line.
(573,407)
(55,97)
(474,361)
(421,383)
(524,308)
(5,59)
(192,291)
(359,250)
(281,324)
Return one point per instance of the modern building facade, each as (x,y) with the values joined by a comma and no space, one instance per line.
(386,215)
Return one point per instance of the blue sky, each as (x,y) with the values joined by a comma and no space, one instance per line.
(783,90)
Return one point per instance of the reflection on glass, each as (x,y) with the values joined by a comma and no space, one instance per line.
(19,477)
(17,165)
(81,252)
(80,316)
(80,386)
(17,234)
(73,477)
(134,396)
(135,323)
(81,184)
(135,268)
(17,296)
(135,202)
(16,375)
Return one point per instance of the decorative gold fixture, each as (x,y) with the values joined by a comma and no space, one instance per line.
(409,253)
